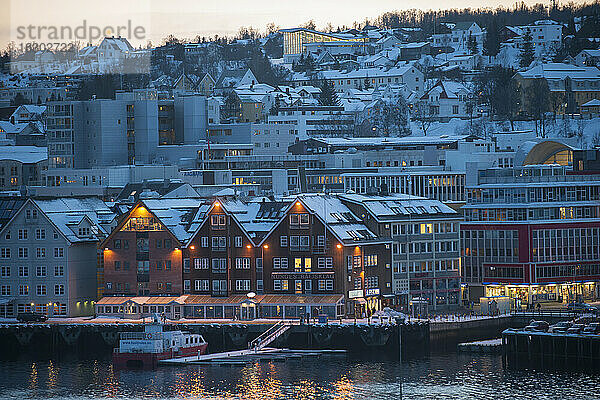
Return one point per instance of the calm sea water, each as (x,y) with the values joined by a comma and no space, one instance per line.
(450,376)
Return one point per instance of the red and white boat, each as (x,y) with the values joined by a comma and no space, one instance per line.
(145,349)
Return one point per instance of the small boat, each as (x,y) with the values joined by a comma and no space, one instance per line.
(145,349)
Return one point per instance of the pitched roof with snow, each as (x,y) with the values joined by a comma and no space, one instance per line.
(67,213)
(179,216)
(24,154)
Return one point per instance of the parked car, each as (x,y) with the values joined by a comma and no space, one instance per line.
(537,326)
(31,317)
(574,306)
(560,327)
(576,329)
(592,329)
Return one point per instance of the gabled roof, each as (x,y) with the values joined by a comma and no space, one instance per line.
(66,213)
(462,26)
(118,43)
(177,215)
(347,227)
(447,89)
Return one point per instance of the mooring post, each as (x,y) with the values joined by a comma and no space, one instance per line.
(400,341)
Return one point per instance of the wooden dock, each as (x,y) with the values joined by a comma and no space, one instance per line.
(482,346)
(251,356)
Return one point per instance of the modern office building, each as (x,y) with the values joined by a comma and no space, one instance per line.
(531,233)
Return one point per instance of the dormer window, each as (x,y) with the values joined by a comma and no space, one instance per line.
(84,231)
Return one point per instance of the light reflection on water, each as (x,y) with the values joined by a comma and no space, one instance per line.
(450,376)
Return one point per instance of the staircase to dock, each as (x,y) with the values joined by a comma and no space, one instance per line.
(269,336)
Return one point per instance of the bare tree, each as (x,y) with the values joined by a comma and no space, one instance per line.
(423,113)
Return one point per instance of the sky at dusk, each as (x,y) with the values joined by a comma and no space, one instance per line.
(189,18)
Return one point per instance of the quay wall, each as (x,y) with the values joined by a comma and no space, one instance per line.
(409,338)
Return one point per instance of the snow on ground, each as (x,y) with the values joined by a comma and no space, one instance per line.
(587,130)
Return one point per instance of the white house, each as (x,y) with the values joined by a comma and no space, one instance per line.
(447,99)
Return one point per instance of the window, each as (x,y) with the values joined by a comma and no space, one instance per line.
(59,270)
(242,263)
(40,252)
(41,271)
(326,285)
(160,265)
(168,244)
(280,284)
(219,265)
(204,241)
(219,286)
(23,290)
(23,271)
(186,265)
(5,252)
(237,241)
(59,252)
(117,265)
(5,272)
(371,260)
(372,282)
(283,241)
(83,231)
(117,243)
(219,242)
(299,221)
(23,252)
(22,234)
(167,265)
(200,263)
(201,285)
(186,285)
(217,221)
(40,290)
(298,286)
(40,234)
(5,290)
(59,290)
(242,285)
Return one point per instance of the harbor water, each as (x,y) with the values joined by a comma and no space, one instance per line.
(447,376)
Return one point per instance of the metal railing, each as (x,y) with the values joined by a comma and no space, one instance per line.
(269,335)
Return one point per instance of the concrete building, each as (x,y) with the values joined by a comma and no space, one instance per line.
(49,258)
(531,233)
(426,256)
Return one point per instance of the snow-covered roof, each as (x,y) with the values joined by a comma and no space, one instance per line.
(555,71)
(390,141)
(7,127)
(177,215)
(24,154)
(67,213)
(400,206)
(360,73)
(343,223)
(591,103)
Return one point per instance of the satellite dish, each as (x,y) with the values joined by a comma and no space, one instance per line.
(251,295)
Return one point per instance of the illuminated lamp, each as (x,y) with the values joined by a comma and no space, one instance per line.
(248,246)
(193,247)
(339,246)
(266,246)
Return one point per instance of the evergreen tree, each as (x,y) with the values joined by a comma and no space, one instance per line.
(527,51)
(328,96)
(491,44)
(472,45)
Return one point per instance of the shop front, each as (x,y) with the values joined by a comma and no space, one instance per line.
(561,293)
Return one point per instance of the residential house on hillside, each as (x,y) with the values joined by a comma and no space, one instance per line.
(447,99)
